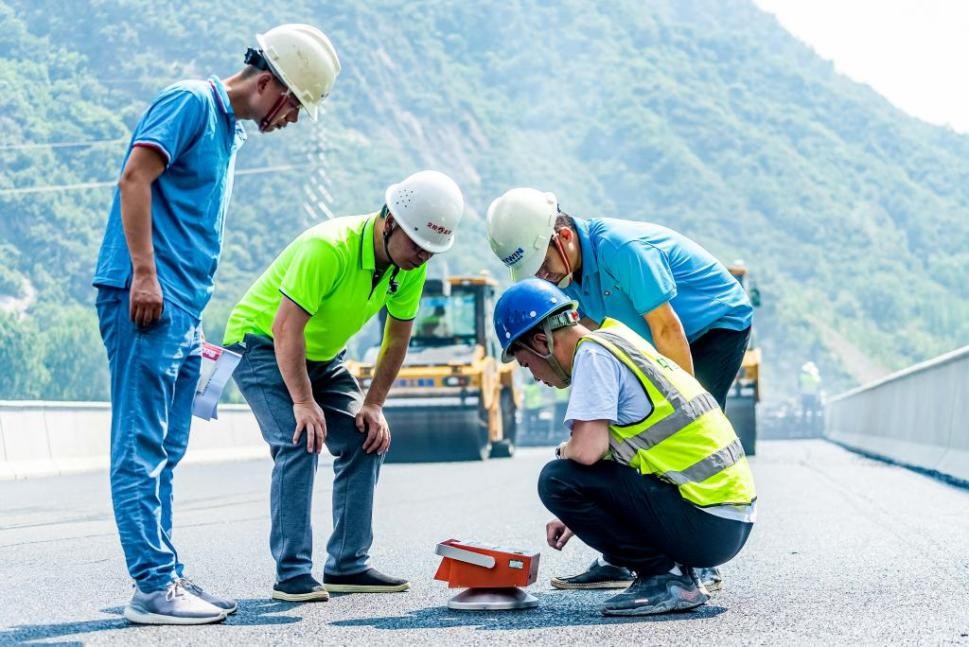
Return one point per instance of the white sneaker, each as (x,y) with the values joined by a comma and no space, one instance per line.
(171,606)
(226,604)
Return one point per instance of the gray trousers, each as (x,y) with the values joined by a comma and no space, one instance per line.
(294,471)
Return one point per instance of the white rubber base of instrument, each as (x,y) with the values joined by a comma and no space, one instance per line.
(492,600)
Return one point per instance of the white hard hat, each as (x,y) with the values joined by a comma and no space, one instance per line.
(520,225)
(304,59)
(428,205)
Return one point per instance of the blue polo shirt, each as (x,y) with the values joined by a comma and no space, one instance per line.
(630,268)
(192,125)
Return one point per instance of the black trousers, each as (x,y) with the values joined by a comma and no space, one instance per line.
(637,521)
(717,356)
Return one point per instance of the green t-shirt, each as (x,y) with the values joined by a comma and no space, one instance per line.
(328,272)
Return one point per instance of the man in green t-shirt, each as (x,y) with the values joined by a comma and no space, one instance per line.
(292,327)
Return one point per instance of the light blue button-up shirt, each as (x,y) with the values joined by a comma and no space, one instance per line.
(630,268)
(192,125)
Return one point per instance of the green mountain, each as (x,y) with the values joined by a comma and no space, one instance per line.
(704,115)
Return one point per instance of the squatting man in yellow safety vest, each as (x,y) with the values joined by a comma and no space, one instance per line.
(653,475)
(292,327)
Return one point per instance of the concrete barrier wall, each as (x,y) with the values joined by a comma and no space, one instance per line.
(918,417)
(51,438)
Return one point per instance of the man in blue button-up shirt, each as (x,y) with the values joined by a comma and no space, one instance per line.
(663,285)
(154,277)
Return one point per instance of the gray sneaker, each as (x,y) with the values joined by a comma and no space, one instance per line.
(657,594)
(226,604)
(171,606)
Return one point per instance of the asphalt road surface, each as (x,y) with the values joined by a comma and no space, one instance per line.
(846,550)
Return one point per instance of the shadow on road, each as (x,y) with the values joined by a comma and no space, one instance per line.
(251,612)
(258,611)
(582,609)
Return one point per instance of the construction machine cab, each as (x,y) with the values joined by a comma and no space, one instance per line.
(454,313)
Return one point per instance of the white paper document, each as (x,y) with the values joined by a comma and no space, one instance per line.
(217,366)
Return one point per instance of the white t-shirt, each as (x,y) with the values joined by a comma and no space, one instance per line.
(603,388)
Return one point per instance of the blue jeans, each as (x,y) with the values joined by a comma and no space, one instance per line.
(154,372)
(294,470)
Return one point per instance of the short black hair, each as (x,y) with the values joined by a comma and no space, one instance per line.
(564,220)
(256,63)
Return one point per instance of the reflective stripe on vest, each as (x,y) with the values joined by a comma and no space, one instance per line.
(671,424)
(712,464)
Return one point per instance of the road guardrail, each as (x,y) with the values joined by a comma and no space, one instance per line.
(918,417)
(40,438)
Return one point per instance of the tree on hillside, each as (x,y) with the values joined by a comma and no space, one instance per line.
(23,376)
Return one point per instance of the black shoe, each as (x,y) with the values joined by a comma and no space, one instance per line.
(657,594)
(597,576)
(369,581)
(711,578)
(302,588)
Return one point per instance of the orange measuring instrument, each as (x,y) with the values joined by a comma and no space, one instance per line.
(491,574)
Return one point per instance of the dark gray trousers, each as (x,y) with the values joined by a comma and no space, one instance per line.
(294,470)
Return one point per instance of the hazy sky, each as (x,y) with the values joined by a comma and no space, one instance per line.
(913,52)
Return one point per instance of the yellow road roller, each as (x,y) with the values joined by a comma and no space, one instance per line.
(454,399)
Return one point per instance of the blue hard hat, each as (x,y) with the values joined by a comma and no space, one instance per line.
(524,306)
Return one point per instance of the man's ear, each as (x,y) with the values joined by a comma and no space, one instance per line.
(539,342)
(263,82)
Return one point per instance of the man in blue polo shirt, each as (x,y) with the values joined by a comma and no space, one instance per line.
(666,287)
(154,277)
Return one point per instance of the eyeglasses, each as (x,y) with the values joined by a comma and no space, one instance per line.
(291,101)
(423,253)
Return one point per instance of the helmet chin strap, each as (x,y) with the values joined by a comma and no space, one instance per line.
(281,103)
(393,275)
(566,280)
(550,356)
(388,230)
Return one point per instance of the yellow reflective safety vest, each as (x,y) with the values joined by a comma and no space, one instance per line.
(686,440)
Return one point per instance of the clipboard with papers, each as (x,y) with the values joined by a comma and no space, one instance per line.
(217,366)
